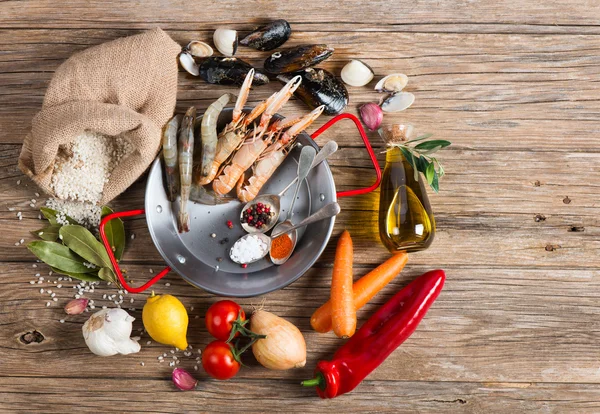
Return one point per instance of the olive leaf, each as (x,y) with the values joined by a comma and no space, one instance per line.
(115,233)
(420,159)
(48,233)
(81,241)
(88,277)
(51,214)
(57,255)
(107,274)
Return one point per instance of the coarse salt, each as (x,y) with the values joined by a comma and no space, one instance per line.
(248,249)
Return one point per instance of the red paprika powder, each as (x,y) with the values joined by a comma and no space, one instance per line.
(281,247)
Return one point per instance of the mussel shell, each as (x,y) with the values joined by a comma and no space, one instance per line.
(268,37)
(229,71)
(297,58)
(319,87)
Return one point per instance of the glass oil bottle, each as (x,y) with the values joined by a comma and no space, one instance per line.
(406,222)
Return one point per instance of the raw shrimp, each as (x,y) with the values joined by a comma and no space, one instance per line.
(201,195)
(273,156)
(255,144)
(233,134)
(169,144)
(186,151)
(208,135)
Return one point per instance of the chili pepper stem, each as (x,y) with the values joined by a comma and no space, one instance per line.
(318,381)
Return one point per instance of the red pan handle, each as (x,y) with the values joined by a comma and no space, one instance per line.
(113,260)
(363,134)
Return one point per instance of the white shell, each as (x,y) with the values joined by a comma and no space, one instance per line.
(226,41)
(189,64)
(398,102)
(199,49)
(392,83)
(357,73)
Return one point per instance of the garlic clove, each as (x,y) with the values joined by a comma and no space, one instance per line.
(199,49)
(226,41)
(398,102)
(357,73)
(392,83)
(76,306)
(184,380)
(189,64)
(371,115)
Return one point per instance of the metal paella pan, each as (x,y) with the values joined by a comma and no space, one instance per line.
(201,255)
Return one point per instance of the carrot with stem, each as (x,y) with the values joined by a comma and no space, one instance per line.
(363,290)
(343,312)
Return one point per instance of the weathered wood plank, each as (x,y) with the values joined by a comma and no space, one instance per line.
(509,89)
(158,395)
(501,324)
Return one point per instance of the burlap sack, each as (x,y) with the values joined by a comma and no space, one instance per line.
(128,86)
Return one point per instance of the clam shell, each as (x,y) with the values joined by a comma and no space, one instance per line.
(398,102)
(297,58)
(357,73)
(188,63)
(199,49)
(226,41)
(392,83)
(268,37)
(319,87)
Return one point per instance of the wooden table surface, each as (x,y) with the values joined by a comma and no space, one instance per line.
(513,84)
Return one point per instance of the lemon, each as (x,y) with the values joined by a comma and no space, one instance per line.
(166,320)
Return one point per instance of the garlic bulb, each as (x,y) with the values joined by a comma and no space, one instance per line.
(283,348)
(107,333)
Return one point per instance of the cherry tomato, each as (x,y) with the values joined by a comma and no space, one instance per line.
(218,360)
(219,318)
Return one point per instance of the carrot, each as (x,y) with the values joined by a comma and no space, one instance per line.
(364,289)
(343,312)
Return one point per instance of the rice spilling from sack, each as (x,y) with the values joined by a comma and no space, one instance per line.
(81,172)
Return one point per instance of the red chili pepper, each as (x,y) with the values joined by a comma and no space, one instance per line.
(385,331)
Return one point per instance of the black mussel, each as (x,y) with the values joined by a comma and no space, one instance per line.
(268,37)
(297,58)
(319,87)
(229,71)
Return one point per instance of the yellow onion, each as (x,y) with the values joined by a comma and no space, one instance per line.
(284,346)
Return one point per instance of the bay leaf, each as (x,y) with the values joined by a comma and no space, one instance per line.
(48,233)
(82,241)
(51,214)
(115,233)
(58,256)
(107,274)
(88,277)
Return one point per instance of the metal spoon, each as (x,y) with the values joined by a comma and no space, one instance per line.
(329,210)
(274,200)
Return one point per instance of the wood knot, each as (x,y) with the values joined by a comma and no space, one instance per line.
(567,200)
(551,248)
(537,183)
(577,228)
(539,217)
(31,337)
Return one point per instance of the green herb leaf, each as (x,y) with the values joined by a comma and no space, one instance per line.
(48,233)
(58,256)
(435,186)
(430,173)
(107,274)
(429,145)
(51,214)
(81,241)
(420,138)
(88,277)
(115,233)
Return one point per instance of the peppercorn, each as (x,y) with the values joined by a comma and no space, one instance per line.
(245,265)
(229,224)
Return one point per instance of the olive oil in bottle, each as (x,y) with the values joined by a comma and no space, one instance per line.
(405,218)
